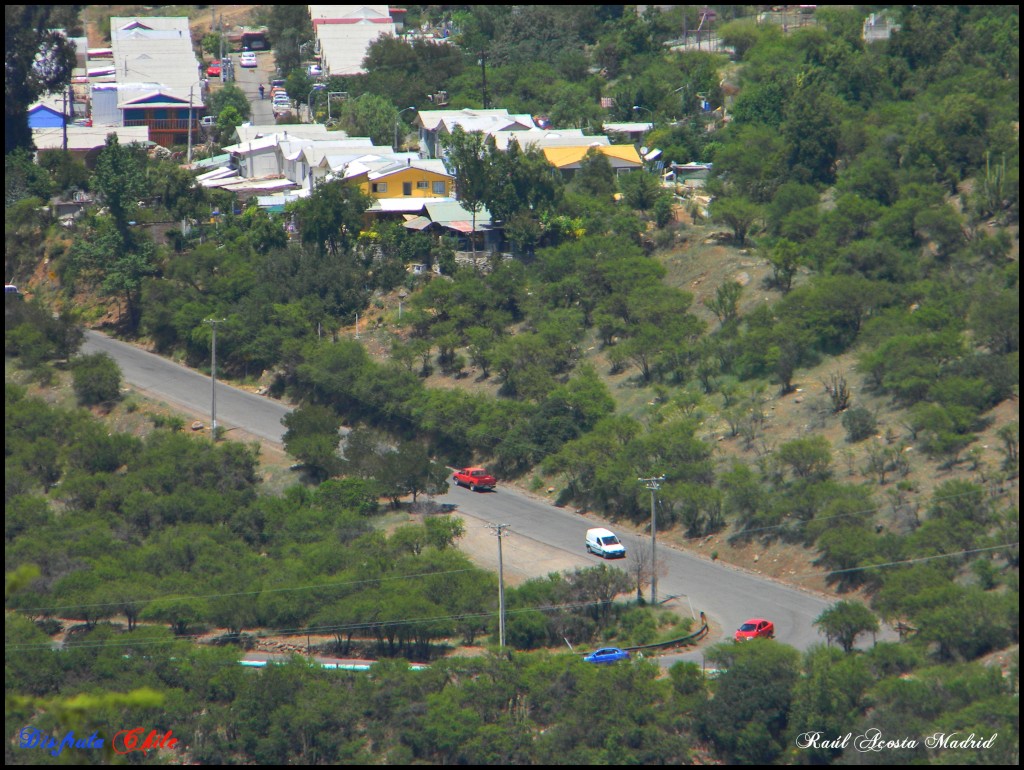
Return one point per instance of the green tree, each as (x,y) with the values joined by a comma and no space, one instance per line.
(369,115)
(751,175)
(995,320)
(230,96)
(741,35)
(38,59)
(747,718)
(312,437)
(117,261)
(808,458)
(120,178)
(68,172)
(97,379)
(739,214)
(640,190)
(228,119)
(290,27)
(409,471)
(331,218)
(522,182)
(725,302)
(826,701)
(466,160)
(180,612)
(846,620)
(595,176)
(211,43)
(784,258)
(176,189)
(860,424)
(811,132)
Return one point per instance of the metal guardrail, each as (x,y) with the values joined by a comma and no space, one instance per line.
(698,634)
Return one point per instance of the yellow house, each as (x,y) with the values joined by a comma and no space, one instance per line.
(397,179)
(623,157)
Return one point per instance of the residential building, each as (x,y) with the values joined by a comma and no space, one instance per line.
(449,218)
(344,33)
(86,142)
(389,178)
(43,115)
(622,157)
(435,124)
(540,138)
(158,79)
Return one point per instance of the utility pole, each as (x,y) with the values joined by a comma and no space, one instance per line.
(213,374)
(483,68)
(501,530)
(653,484)
(188,155)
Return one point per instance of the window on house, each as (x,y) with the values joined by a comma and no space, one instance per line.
(379,187)
(406,188)
(423,185)
(439,188)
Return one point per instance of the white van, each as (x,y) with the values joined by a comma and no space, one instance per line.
(604,543)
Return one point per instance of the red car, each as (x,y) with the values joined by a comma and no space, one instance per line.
(474,478)
(214,69)
(755,628)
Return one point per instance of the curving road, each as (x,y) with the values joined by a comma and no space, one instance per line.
(728,595)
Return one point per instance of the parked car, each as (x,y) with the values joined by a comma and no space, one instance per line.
(208,121)
(607,655)
(248,60)
(604,543)
(475,479)
(214,69)
(314,71)
(755,628)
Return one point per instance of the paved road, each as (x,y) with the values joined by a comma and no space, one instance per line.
(249,81)
(190,391)
(728,595)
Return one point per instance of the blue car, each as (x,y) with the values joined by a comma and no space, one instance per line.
(607,655)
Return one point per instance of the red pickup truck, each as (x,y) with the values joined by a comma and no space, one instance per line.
(474,478)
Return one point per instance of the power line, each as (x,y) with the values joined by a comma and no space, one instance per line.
(53,609)
(914,560)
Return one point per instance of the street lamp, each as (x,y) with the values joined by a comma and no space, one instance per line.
(398,119)
(309,100)
(637,108)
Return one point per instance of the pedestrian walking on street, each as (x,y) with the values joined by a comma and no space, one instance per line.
(261,90)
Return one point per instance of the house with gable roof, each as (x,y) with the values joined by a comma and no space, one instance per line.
(433,124)
(396,178)
(622,157)
(159,81)
(344,34)
(44,115)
